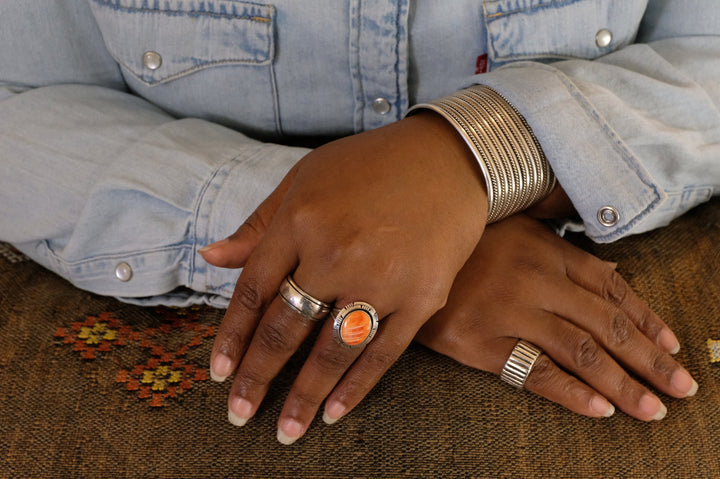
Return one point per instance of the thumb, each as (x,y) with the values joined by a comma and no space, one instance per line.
(234,251)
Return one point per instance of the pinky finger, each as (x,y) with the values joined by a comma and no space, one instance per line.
(551,382)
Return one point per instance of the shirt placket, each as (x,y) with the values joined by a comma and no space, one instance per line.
(378,61)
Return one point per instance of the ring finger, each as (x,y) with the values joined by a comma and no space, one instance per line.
(550,381)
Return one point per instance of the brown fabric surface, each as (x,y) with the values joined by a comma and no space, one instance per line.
(76,407)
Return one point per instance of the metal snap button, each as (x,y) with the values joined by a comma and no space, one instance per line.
(603,38)
(123,272)
(381,106)
(152,60)
(608,216)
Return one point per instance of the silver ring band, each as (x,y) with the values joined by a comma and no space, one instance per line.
(520,363)
(309,307)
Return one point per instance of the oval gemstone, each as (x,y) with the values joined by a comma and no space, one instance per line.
(356,328)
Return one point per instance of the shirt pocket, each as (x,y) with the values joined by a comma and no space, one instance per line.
(190,56)
(547,30)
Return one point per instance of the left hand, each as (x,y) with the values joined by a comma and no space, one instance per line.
(525,282)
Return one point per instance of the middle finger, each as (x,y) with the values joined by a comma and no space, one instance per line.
(619,335)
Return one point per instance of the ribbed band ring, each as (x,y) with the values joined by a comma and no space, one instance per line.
(520,363)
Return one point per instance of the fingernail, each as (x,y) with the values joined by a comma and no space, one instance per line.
(214,245)
(601,406)
(612,264)
(684,383)
(333,412)
(652,407)
(220,368)
(239,411)
(289,431)
(668,341)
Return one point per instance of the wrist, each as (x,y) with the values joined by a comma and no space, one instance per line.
(515,171)
(438,139)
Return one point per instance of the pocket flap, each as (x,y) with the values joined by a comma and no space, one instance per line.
(557,29)
(182,36)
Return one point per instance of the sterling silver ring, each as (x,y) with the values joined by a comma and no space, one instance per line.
(355,324)
(309,307)
(520,363)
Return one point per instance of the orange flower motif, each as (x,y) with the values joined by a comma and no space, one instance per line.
(165,373)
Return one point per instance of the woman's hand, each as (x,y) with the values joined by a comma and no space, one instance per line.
(524,282)
(387,217)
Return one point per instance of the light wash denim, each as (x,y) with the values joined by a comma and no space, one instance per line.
(106,161)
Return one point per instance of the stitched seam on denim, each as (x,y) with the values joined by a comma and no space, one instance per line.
(224,167)
(400,31)
(60,261)
(276,101)
(354,64)
(192,13)
(548,4)
(190,70)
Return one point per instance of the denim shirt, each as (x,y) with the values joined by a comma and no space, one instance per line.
(133,132)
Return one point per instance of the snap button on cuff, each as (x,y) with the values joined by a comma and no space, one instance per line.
(152,60)
(123,272)
(381,106)
(608,216)
(603,38)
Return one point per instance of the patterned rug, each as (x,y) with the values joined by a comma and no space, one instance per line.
(91,387)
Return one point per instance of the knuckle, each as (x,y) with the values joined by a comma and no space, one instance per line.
(614,288)
(379,359)
(231,343)
(586,351)
(247,294)
(255,223)
(620,329)
(332,361)
(542,372)
(273,339)
(662,365)
(648,323)
(307,400)
(249,381)
(429,299)
(627,387)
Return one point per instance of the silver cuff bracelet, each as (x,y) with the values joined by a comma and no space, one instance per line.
(516,172)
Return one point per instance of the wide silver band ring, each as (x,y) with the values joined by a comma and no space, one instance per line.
(355,324)
(309,307)
(520,363)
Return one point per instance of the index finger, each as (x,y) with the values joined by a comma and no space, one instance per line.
(255,289)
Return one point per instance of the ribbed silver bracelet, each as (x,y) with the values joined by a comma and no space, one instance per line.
(517,174)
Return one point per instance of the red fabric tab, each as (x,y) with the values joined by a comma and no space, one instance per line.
(481,64)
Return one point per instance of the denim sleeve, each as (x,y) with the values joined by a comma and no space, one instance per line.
(636,130)
(116,196)
(102,187)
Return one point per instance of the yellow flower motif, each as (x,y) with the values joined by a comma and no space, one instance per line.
(714,349)
(99,332)
(160,377)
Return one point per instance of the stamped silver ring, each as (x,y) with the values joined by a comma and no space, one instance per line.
(520,363)
(309,307)
(355,324)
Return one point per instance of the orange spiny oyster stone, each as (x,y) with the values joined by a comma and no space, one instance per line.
(356,328)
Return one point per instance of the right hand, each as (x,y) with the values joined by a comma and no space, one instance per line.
(525,282)
(386,217)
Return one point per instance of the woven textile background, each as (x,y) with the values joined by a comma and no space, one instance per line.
(90,387)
